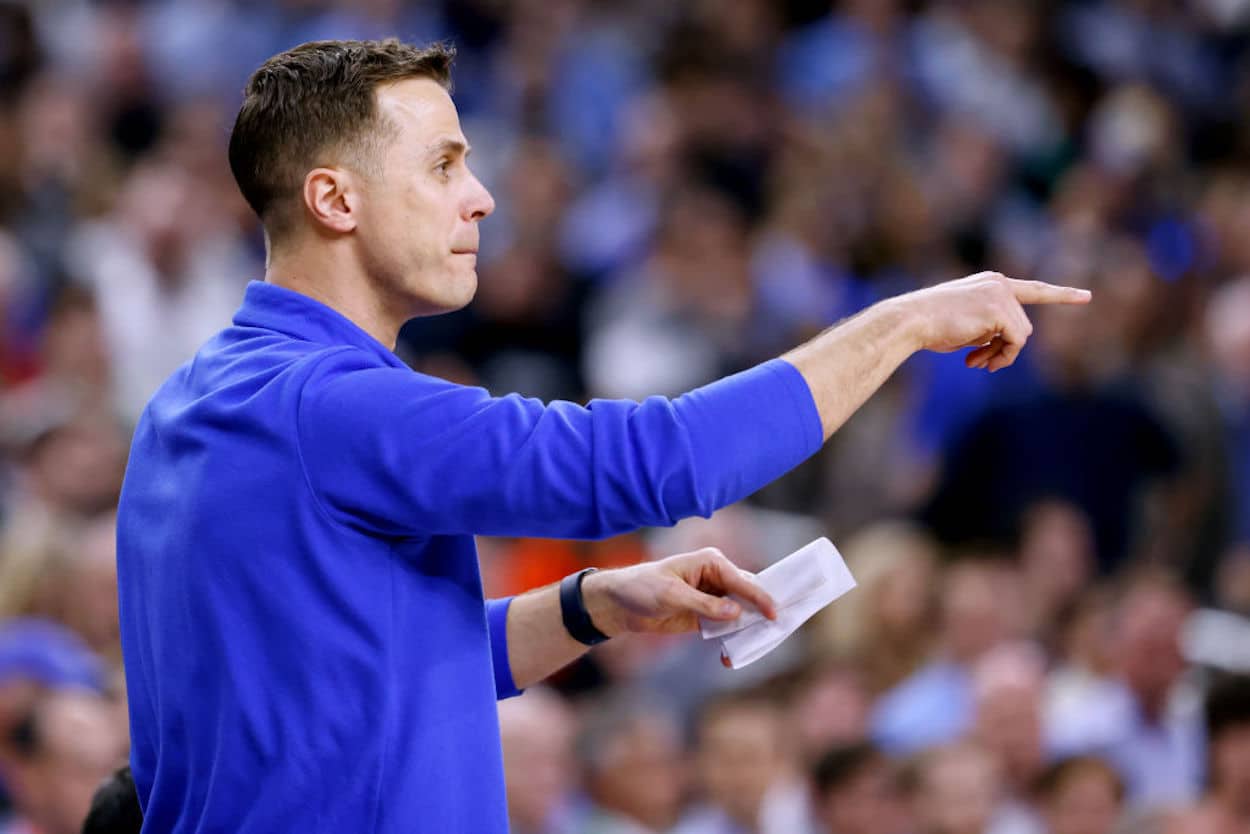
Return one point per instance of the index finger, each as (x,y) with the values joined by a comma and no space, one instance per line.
(1039,292)
(736,581)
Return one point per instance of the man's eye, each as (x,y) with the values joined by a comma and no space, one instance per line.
(443,166)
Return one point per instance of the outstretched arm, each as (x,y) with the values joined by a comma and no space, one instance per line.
(397,453)
(844,365)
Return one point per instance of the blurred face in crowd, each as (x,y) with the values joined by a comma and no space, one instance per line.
(1008,711)
(740,755)
(1230,763)
(867,803)
(1086,801)
(957,791)
(640,773)
(1086,637)
(831,710)
(78,467)
(537,735)
(1056,554)
(974,599)
(704,255)
(74,347)
(163,205)
(417,217)
(903,597)
(88,589)
(78,747)
(1148,629)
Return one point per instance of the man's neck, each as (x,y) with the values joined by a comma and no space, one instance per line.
(347,292)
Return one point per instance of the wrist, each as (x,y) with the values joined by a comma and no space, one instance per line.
(600,603)
(903,316)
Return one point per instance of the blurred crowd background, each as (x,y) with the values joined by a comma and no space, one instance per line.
(1053,561)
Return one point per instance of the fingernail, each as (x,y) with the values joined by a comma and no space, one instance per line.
(729,609)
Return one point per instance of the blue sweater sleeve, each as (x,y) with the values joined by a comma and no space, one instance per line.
(395,452)
(497,626)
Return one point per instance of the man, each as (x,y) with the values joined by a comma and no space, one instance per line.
(1147,722)
(306,643)
(744,769)
(955,790)
(56,758)
(1007,686)
(855,791)
(630,754)
(935,704)
(537,739)
(1081,795)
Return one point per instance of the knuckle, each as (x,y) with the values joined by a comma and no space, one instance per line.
(712,553)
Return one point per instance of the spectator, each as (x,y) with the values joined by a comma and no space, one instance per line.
(1147,722)
(954,790)
(828,708)
(856,792)
(1080,795)
(885,626)
(56,757)
(166,277)
(744,770)
(935,704)
(537,735)
(1057,559)
(1007,692)
(630,753)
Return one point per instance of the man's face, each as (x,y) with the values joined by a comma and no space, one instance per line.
(865,804)
(1087,803)
(419,211)
(739,757)
(1148,650)
(957,793)
(642,774)
(80,747)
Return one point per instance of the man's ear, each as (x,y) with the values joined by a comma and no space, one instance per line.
(331,198)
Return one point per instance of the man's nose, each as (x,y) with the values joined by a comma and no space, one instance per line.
(479,203)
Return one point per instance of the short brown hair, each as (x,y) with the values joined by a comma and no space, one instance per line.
(313,99)
(1056,776)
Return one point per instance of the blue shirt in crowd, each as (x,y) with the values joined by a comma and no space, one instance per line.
(306,643)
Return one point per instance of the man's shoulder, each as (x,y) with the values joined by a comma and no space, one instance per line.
(232,370)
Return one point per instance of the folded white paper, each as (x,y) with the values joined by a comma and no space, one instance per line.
(801,584)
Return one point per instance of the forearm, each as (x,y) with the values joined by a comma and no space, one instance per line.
(538,643)
(847,363)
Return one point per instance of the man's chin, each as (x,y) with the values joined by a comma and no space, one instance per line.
(457,297)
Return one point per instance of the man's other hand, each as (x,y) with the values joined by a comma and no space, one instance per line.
(670,595)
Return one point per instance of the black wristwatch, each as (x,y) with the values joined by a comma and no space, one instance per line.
(573,610)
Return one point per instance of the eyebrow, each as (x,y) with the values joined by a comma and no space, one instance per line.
(451,146)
